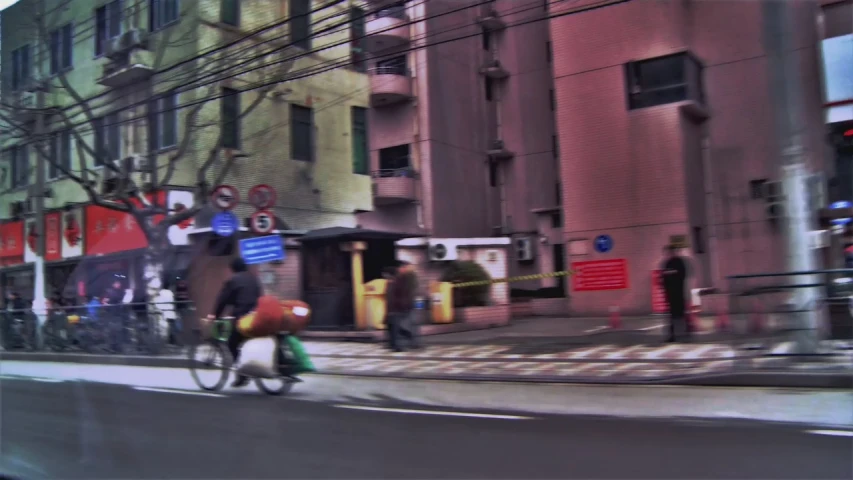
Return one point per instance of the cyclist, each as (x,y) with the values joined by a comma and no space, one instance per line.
(241,292)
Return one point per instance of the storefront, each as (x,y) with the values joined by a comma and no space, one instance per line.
(15,276)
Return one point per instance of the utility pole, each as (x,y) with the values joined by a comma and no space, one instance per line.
(39,300)
(790,123)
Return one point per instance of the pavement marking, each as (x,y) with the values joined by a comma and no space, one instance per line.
(179,392)
(832,433)
(435,412)
(596,329)
(32,379)
(653,327)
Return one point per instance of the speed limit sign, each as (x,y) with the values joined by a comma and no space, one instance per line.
(262,196)
(262,221)
(225,197)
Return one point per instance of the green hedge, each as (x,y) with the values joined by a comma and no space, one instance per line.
(468,271)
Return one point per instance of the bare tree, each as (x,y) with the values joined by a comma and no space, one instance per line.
(198,77)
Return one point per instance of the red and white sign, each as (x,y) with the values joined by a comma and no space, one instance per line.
(659,304)
(72,234)
(600,275)
(225,197)
(111,231)
(11,243)
(262,221)
(53,238)
(180,200)
(262,196)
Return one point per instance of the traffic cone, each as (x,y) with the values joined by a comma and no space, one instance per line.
(693,319)
(615,318)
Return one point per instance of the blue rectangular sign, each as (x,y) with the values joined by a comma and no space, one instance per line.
(262,249)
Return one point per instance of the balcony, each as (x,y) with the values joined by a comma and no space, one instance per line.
(393,187)
(491,21)
(21,104)
(133,67)
(498,151)
(493,69)
(387,28)
(389,85)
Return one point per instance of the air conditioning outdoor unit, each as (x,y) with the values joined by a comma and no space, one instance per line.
(442,250)
(113,47)
(26,100)
(524,249)
(774,195)
(132,39)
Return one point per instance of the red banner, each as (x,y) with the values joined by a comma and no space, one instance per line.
(111,231)
(12,242)
(659,304)
(600,275)
(53,236)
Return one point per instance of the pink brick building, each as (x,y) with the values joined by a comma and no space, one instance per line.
(666,133)
(461,134)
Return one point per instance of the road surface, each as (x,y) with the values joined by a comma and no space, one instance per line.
(55,429)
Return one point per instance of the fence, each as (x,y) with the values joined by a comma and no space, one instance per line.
(131,328)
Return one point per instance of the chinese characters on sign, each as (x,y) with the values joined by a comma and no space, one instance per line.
(600,275)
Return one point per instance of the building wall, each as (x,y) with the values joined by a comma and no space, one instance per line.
(638,175)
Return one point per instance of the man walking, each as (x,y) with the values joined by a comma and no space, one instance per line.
(674,278)
(400,320)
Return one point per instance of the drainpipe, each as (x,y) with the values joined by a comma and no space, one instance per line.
(417,29)
(713,239)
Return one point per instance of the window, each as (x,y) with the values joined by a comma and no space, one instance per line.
(493,173)
(360,149)
(301,133)
(229,12)
(392,66)
(19,166)
(663,80)
(394,161)
(230,118)
(107,25)
(21,67)
(555,146)
(357,33)
(549,55)
(552,99)
(107,138)
(61,48)
(163,122)
(487,40)
(60,154)
(162,13)
(556,220)
(559,192)
(698,240)
(300,23)
(489,87)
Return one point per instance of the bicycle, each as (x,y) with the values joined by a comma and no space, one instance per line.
(220,361)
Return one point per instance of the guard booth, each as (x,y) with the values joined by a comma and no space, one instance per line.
(336,263)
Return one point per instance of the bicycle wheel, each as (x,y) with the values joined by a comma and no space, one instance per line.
(274,386)
(210,365)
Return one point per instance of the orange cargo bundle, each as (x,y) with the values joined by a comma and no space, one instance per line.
(273,316)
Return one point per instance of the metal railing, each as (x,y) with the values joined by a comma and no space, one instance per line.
(140,328)
(398,70)
(398,12)
(405,172)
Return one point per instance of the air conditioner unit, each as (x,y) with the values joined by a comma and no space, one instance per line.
(524,249)
(113,47)
(498,145)
(442,250)
(26,100)
(132,39)
(20,209)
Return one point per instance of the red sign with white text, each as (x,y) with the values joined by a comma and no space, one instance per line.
(11,243)
(111,231)
(659,304)
(53,236)
(600,275)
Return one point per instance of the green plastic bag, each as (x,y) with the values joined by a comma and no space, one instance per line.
(300,356)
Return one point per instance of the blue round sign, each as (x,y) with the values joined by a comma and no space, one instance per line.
(224,224)
(842,204)
(603,243)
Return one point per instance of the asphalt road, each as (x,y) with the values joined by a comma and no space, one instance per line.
(86,430)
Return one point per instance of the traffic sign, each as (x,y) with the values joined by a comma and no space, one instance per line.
(262,249)
(837,206)
(224,224)
(603,243)
(262,221)
(262,196)
(225,197)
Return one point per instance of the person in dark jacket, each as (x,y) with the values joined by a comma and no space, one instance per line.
(241,292)
(674,278)
(400,319)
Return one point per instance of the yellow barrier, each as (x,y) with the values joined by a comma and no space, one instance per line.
(522,278)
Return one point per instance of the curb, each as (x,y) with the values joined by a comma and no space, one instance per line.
(765,379)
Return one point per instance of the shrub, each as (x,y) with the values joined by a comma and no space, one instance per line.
(468,271)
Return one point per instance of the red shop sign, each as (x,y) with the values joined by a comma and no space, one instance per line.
(659,304)
(600,275)
(53,236)
(12,242)
(111,231)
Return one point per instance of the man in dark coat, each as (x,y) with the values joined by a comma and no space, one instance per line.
(674,278)
(241,292)
(400,320)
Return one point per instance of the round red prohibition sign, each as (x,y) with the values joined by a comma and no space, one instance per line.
(262,196)
(262,221)
(225,197)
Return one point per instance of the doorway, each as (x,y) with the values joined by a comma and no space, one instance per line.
(559,266)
